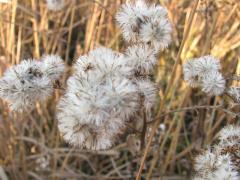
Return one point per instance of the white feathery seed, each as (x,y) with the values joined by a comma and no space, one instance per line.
(156,32)
(229,133)
(213,165)
(148,92)
(55,5)
(234,92)
(53,66)
(190,73)
(100,98)
(24,84)
(206,64)
(213,83)
(101,63)
(145,23)
(204,72)
(96,103)
(141,58)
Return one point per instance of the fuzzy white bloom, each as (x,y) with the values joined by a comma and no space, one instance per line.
(204,72)
(85,135)
(100,101)
(141,58)
(206,64)
(213,165)
(145,23)
(102,63)
(190,73)
(229,132)
(194,70)
(234,92)
(53,66)
(213,83)
(30,81)
(148,92)
(24,84)
(55,5)
(100,98)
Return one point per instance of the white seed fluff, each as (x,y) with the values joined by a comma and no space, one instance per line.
(229,133)
(102,63)
(141,58)
(213,83)
(190,73)
(148,92)
(100,97)
(213,165)
(145,23)
(24,84)
(53,66)
(234,92)
(55,5)
(206,64)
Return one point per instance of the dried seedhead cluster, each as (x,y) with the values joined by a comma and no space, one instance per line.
(222,160)
(30,81)
(108,89)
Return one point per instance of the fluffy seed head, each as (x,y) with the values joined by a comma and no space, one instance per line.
(212,165)
(141,58)
(148,92)
(102,63)
(145,23)
(100,98)
(206,64)
(24,84)
(234,92)
(53,66)
(190,73)
(213,83)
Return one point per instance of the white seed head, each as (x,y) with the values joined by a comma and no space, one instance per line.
(148,92)
(157,32)
(145,23)
(24,84)
(234,92)
(55,5)
(97,102)
(102,63)
(213,165)
(53,66)
(141,58)
(100,97)
(229,133)
(190,73)
(206,64)
(213,83)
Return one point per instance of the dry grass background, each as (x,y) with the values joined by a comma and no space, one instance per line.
(30,145)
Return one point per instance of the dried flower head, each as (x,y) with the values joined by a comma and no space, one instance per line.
(100,98)
(148,92)
(206,64)
(30,81)
(204,72)
(234,92)
(190,73)
(213,83)
(24,84)
(145,23)
(53,66)
(102,63)
(141,58)
(55,5)
(212,165)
